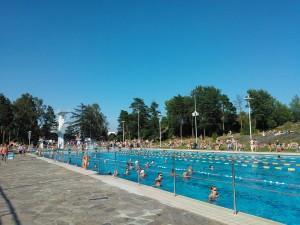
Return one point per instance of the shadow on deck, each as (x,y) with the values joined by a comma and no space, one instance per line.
(11,209)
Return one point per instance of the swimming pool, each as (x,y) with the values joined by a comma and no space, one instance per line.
(266,185)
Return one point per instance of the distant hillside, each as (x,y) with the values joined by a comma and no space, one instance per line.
(287,133)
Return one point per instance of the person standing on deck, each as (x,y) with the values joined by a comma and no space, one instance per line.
(252,145)
(4,152)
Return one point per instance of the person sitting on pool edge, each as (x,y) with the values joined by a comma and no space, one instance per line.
(213,194)
(158,180)
(116,173)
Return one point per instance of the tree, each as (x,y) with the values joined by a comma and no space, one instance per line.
(94,122)
(229,114)
(40,110)
(148,120)
(267,112)
(6,116)
(26,114)
(48,124)
(153,124)
(281,114)
(262,108)
(140,111)
(239,106)
(89,121)
(295,108)
(179,110)
(75,126)
(123,117)
(213,108)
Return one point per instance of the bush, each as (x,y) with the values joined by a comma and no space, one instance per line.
(214,136)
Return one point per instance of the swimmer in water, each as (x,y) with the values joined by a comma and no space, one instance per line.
(213,194)
(142,173)
(126,171)
(172,174)
(186,174)
(190,170)
(211,167)
(158,180)
(137,165)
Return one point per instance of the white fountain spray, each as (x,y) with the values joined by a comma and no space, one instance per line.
(61,129)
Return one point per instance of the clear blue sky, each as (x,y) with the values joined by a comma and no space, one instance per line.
(109,52)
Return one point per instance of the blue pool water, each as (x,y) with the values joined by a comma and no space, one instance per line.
(266,185)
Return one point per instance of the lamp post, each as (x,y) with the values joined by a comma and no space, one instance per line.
(159,121)
(29,138)
(248,98)
(195,114)
(203,124)
(223,119)
(123,122)
(181,123)
(138,111)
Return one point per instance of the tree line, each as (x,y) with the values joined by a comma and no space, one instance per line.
(217,115)
(28,113)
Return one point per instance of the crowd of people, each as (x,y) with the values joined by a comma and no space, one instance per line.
(12,147)
(232,144)
(229,142)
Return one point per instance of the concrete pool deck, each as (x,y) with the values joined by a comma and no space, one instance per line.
(35,192)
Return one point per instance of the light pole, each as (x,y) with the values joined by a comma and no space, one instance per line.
(181,123)
(138,111)
(159,121)
(195,114)
(223,119)
(29,138)
(123,122)
(203,124)
(248,98)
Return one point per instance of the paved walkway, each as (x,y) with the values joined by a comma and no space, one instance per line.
(33,191)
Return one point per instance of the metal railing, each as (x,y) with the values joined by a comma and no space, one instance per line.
(172,165)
